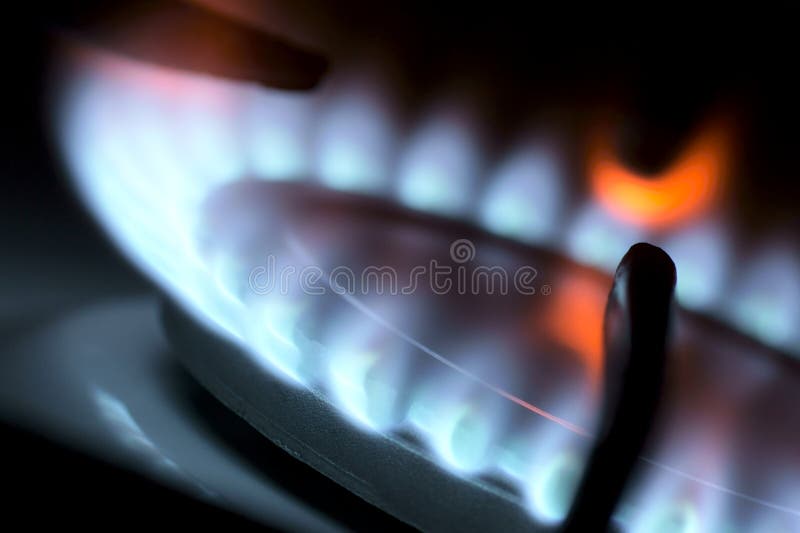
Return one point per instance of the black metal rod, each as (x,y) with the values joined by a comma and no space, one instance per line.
(636,330)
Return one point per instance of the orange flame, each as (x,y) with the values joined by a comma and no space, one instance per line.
(688,187)
(575,320)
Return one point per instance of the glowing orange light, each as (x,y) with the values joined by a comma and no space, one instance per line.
(575,320)
(689,186)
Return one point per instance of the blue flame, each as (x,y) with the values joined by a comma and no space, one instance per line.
(702,255)
(354,143)
(598,239)
(766,303)
(146,146)
(525,198)
(278,134)
(438,171)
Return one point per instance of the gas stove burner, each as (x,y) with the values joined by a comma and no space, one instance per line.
(477,396)
(518,435)
(454,418)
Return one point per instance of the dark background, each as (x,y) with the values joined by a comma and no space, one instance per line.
(663,67)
